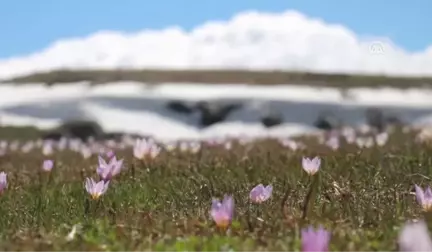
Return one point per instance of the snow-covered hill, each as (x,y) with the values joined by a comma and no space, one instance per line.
(138,108)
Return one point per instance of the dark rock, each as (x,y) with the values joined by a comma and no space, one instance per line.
(52,135)
(180,107)
(394,121)
(272,119)
(82,129)
(214,112)
(135,135)
(375,119)
(327,121)
(76,129)
(116,136)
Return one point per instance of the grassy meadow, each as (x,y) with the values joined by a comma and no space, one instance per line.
(361,195)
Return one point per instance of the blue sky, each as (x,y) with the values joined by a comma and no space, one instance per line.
(28,26)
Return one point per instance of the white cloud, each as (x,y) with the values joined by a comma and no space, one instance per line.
(250,40)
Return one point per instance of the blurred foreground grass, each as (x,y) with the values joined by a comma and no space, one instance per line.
(163,204)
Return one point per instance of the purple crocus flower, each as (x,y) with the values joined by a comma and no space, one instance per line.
(222,212)
(333,142)
(47,165)
(96,189)
(47,149)
(315,240)
(414,236)
(3,182)
(382,138)
(260,193)
(110,154)
(311,166)
(424,198)
(293,145)
(107,171)
(145,149)
(86,152)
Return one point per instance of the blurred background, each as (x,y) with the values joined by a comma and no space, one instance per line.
(211,69)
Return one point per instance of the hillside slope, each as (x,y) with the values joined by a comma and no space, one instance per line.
(224,76)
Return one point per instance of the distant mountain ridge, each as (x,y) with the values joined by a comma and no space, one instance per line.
(154,76)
